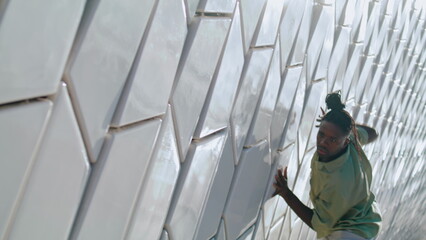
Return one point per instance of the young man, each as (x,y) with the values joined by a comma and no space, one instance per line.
(341,175)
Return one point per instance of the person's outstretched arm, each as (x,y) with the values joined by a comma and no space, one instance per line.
(372,134)
(304,212)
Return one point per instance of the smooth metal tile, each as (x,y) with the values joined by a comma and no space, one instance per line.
(191,8)
(295,229)
(101,60)
(262,119)
(147,93)
(314,100)
(359,23)
(291,79)
(248,94)
(354,56)
(345,12)
(58,178)
(247,191)
(221,234)
(222,6)
(35,40)
(192,192)
(302,186)
(26,134)
(117,182)
(303,37)
(286,228)
(321,20)
(164,235)
(247,235)
(270,22)
(156,194)
(274,233)
(260,231)
(338,59)
(217,109)
(296,112)
(290,24)
(220,187)
(268,210)
(364,77)
(250,14)
(196,75)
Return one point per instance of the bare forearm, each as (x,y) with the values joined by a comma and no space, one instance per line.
(304,212)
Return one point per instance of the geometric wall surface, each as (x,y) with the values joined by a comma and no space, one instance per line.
(167,119)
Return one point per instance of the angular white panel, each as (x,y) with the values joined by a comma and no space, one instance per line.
(286,228)
(303,37)
(223,6)
(371,28)
(302,186)
(304,232)
(147,94)
(295,113)
(191,195)
(274,233)
(221,234)
(247,190)
(345,12)
(116,183)
(371,88)
(270,22)
(324,58)
(268,210)
(314,101)
(291,20)
(261,123)
(295,229)
(337,59)
(247,235)
(260,232)
(164,235)
(247,97)
(321,19)
(218,106)
(215,203)
(157,189)
(102,57)
(57,179)
(354,56)
(250,14)
(283,106)
(18,151)
(365,75)
(192,6)
(35,39)
(360,21)
(195,76)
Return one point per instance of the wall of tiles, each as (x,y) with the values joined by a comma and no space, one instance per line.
(167,119)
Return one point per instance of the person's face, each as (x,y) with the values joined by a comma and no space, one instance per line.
(331,141)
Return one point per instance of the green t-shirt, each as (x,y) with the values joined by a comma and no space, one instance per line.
(341,196)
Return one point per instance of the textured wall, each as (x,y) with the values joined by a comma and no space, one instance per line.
(167,119)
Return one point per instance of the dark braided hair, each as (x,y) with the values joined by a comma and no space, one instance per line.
(338,116)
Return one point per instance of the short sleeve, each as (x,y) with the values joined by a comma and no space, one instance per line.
(362,135)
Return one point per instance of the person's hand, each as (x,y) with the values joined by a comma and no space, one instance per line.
(280,185)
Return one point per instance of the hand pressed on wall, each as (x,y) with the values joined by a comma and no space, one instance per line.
(281,186)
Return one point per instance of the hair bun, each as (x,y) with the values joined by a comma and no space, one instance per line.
(334,102)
